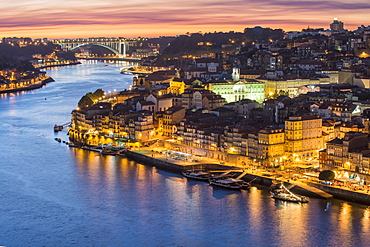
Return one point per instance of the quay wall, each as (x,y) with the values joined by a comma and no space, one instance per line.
(267,181)
(147,160)
(238,160)
(343,194)
(175,168)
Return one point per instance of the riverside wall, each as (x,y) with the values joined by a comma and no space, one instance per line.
(235,159)
(177,168)
(169,166)
(344,194)
(267,181)
(147,160)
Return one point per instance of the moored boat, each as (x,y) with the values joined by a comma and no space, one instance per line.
(284,194)
(199,175)
(230,183)
(108,152)
(246,185)
(58,128)
(71,144)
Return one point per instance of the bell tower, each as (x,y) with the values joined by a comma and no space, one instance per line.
(236,74)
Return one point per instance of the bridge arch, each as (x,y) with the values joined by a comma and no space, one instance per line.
(102,45)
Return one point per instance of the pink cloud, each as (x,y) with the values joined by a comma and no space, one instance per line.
(162,17)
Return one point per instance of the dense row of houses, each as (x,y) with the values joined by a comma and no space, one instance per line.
(279,131)
(293,101)
(13,80)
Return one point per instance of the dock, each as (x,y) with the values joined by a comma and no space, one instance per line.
(58,128)
(312,189)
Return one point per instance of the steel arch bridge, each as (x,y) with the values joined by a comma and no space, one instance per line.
(118,46)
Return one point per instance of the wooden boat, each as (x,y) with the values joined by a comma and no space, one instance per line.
(246,185)
(108,152)
(284,194)
(230,183)
(199,175)
(58,139)
(70,144)
(58,128)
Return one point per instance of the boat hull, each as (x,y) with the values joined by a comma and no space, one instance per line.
(227,184)
(283,194)
(287,199)
(197,176)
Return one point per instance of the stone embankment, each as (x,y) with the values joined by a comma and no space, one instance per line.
(162,162)
(344,194)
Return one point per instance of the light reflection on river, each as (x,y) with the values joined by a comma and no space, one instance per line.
(53,195)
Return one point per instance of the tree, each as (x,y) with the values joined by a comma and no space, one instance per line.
(90,98)
(327,175)
(85,101)
(99,92)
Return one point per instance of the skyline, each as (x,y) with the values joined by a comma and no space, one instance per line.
(112,18)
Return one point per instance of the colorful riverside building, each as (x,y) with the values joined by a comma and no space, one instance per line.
(12,80)
(104,123)
(169,119)
(303,137)
(271,145)
(349,157)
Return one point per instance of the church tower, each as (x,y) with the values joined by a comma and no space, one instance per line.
(236,74)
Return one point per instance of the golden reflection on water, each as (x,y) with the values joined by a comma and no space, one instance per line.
(88,163)
(144,183)
(108,164)
(365,220)
(345,216)
(344,222)
(292,216)
(12,105)
(256,206)
(286,217)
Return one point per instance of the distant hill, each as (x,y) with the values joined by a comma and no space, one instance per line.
(13,56)
(196,43)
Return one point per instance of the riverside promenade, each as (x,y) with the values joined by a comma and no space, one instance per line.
(304,186)
(158,157)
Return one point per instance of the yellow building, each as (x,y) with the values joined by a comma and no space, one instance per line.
(271,145)
(289,86)
(167,120)
(178,85)
(303,137)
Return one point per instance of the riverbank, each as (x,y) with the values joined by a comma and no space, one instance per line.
(162,161)
(36,85)
(59,65)
(112,59)
(301,186)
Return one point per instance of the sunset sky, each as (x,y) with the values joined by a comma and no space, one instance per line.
(153,18)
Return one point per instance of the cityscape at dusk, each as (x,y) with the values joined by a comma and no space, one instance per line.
(193,123)
(81,19)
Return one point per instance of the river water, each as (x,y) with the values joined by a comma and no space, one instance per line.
(53,195)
